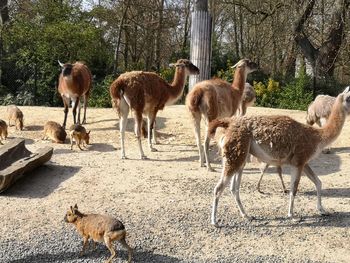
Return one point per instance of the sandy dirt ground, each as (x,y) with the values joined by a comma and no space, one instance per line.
(165,201)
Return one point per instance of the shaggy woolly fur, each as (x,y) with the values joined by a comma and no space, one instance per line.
(276,140)
(147,93)
(75,81)
(216,98)
(317,112)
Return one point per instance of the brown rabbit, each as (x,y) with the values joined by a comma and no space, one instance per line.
(16,115)
(79,134)
(55,132)
(101,228)
(3,131)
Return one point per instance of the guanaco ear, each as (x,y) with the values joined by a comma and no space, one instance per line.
(238,64)
(346,89)
(71,209)
(60,63)
(88,132)
(75,207)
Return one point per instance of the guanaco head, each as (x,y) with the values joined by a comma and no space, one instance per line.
(346,99)
(249,65)
(72,214)
(66,68)
(187,65)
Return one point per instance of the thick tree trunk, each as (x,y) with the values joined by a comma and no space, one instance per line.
(4,11)
(201,41)
(322,59)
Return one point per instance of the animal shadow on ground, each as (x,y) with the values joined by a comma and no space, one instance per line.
(332,192)
(334,219)
(34,128)
(160,124)
(63,151)
(104,120)
(340,150)
(100,252)
(42,181)
(101,147)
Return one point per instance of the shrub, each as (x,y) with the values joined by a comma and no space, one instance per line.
(267,95)
(296,95)
(100,93)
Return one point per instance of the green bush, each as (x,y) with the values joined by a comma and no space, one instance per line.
(24,98)
(267,94)
(295,95)
(100,93)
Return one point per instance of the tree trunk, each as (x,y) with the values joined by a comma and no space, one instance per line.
(322,59)
(159,34)
(120,27)
(201,41)
(235,22)
(4,11)
(186,27)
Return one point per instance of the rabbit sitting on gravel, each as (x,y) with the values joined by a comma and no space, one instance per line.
(101,228)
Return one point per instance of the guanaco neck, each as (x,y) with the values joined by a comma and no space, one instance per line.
(177,86)
(239,80)
(334,124)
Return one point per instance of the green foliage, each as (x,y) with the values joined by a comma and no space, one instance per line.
(267,95)
(294,95)
(49,31)
(228,73)
(22,98)
(100,93)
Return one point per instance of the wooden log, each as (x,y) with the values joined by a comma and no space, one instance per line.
(16,160)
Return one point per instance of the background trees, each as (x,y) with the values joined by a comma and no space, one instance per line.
(284,37)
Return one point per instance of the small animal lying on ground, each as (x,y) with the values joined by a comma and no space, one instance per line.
(55,132)
(80,136)
(3,131)
(16,115)
(101,228)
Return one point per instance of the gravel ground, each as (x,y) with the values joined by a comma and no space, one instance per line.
(165,202)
